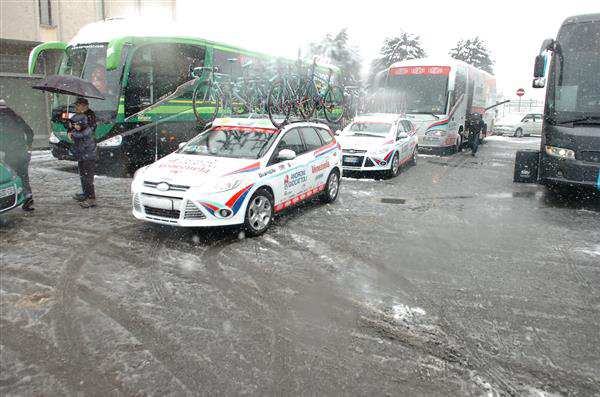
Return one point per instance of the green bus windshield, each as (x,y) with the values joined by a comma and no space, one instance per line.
(88,62)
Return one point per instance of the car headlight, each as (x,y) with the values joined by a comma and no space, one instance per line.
(222,185)
(53,138)
(376,152)
(560,152)
(110,142)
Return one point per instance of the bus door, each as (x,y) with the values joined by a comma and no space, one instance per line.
(459,101)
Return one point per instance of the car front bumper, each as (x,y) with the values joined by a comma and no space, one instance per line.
(436,142)
(185,209)
(11,196)
(363,162)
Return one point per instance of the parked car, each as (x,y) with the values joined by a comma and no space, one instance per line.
(519,124)
(378,143)
(11,189)
(239,172)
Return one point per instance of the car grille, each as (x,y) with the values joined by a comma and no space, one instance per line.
(192,212)
(351,151)
(591,156)
(179,188)
(353,163)
(172,214)
(7,202)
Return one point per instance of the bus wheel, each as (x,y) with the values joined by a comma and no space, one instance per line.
(458,145)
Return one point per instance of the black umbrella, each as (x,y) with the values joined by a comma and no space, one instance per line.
(69,85)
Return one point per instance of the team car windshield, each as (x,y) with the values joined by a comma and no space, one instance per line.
(235,142)
(368,129)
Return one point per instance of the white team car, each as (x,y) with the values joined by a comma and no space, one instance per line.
(378,143)
(239,171)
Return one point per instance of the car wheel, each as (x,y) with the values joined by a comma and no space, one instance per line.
(259,213)
(415,156)
(459,142)
(332,188)
(518,133)
(394,166)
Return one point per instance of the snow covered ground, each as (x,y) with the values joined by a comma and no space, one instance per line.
(447,280)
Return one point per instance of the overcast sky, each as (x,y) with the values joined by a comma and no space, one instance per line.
(513,30)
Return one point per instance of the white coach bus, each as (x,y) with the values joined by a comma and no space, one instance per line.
(437,95)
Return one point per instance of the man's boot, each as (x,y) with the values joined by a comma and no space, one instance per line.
(78,197)
(88,203)
(28,204)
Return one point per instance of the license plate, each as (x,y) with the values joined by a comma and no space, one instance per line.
(9,191)
(430,138)
(159,202)
(351,159)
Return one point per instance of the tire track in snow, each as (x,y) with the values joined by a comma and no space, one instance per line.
(195,378)
(39,352)
(67,329)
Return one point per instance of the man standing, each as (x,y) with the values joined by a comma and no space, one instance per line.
(475,128)
(16,138)
(81,132)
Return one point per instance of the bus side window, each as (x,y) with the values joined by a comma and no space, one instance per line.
(139,89)
(228,62)
(156,71)
(460,85)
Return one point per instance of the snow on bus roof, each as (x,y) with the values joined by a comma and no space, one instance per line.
(118,27)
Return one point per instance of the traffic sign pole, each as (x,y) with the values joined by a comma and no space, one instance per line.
(520,93)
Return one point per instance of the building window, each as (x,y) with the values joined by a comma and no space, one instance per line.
(45,12)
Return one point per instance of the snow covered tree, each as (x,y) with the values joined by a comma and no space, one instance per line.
(473,52)
(404,47)
(336,51)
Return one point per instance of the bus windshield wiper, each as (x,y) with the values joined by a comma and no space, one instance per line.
(587,120)
(434,115)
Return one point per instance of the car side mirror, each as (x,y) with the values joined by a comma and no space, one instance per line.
(286,154)
(182,144)
(402,135)
(338,132)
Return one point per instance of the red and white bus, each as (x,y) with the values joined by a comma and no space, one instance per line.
(437,95)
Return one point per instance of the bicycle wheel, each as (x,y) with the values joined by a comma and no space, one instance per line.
(278,104)
(205,102)
(334,104)
(306,100)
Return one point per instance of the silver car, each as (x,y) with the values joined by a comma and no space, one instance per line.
(519,124)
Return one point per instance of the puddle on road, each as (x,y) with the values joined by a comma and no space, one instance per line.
(34,300)
(393,201)
(521,194)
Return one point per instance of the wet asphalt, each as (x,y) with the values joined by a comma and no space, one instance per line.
(447,280)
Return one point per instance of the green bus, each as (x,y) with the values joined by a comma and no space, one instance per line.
(134,73)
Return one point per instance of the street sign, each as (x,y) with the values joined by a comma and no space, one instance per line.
(520,92)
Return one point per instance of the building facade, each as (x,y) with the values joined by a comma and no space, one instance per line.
(26,23)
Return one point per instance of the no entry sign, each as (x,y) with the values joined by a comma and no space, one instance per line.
(520,92)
